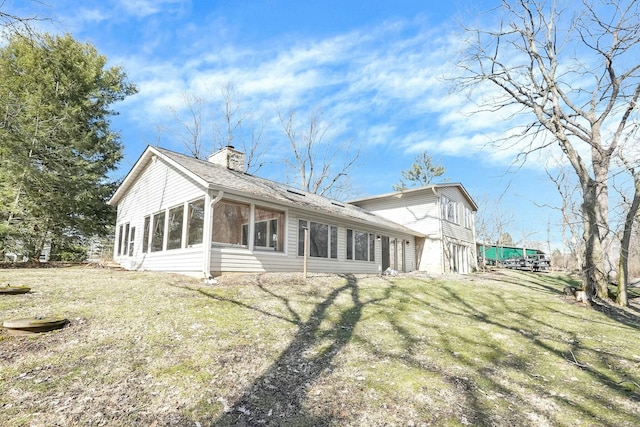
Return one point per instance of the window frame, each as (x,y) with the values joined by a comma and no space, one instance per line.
(450,210)
(175,225)
(242,242)
(191,206)
(330,252)
(369,251)
(271,244)
(146,233)
(132,239)
(158,230)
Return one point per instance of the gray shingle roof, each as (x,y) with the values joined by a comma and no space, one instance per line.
(245,184)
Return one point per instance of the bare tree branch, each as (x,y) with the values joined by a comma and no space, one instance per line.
(321,167)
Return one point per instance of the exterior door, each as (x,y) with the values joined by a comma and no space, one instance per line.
(386,261)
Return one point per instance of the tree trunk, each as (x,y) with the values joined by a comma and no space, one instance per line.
(623,264)
(595,281)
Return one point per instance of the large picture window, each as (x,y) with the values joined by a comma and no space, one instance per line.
(228,220)
(321,239)
(157,235)
(195,226)
(176,219)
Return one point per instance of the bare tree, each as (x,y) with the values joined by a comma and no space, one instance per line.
(320,167)
(191,127)
(575,71)
(571,215)
(422,172)
(492,222)
(21,25)
(231,130)
(632,206)
(201,133)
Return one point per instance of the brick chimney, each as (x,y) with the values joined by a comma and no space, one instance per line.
(229,157)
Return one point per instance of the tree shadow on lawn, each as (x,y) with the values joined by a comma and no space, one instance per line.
(521,325)
(629,316)
(278,395)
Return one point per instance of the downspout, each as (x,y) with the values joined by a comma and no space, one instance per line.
(208,228)
(440,233)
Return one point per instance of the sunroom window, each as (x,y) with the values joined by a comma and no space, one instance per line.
(176,219)
(228,220)
(195,230)
(268,229)
(157,235)
(145,234)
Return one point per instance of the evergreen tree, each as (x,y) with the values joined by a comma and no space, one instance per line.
(56,145)
(421,173)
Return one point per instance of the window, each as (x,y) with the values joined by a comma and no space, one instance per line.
(125,240)
(449,209)
(334,242)
(145,234)
(360,246)
(176,219)
(157,235)
(318,240)
(229,222)
(126,236)
(132,238)
(321,239)
(268,229)
(195,226)
(372,247)
(468,217)
(120,233)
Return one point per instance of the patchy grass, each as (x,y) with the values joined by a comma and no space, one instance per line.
(497,349)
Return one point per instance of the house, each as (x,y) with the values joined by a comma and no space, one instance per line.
(443,214)
(180,214)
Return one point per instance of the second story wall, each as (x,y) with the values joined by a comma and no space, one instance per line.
(457,215)
(415,210)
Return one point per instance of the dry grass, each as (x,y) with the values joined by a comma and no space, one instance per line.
(151,349)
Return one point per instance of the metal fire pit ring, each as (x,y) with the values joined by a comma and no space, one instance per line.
(33,326)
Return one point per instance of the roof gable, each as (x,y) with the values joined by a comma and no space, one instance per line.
(148,155)
(426,189)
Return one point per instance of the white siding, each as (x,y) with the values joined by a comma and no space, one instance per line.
(450,229)
(244,260)
(418,211)
(157,188)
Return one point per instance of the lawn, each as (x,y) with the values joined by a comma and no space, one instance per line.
(150,349)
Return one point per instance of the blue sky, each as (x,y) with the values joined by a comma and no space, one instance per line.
(376,69)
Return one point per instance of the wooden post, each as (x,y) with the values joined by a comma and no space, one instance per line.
(306,250)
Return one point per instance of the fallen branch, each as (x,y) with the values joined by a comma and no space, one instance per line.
(575,361)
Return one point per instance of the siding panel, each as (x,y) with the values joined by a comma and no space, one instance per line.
(157,188)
